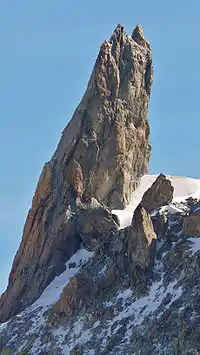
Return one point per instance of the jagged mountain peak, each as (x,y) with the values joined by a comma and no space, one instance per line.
(119,30)
(109,260)
(138,34)
(104,150)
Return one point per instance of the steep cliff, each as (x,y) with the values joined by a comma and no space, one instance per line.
(103,152)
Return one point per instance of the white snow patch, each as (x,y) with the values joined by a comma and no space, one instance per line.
(184,188)
(77,336)
(68,214)
(103,269)
(3,326)
(50,295)
(195,245)
(125,216)
(136,311)
(196,209)
(170,209)
(147,305)
(124,295)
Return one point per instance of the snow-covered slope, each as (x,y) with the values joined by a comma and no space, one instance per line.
(184,188)
(36,311)
(161,318)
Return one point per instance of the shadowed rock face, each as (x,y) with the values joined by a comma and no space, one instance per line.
(103,151)
(191,224)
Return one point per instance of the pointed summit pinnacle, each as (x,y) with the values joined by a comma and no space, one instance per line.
(103,150)
(138,34)
(119,33)
(119,28)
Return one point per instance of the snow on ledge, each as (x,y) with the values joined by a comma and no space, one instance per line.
(52,293)
(184,187)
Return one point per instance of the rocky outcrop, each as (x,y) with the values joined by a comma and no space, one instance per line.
(128,252)
(114,294)
(159,194)
(191,224)
(141,241)
(103,151)
(94,225)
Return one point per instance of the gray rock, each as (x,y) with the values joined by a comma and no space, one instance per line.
(94,225)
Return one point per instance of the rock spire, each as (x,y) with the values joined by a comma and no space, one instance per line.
(103,152)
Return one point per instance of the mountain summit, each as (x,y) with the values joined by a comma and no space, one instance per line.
(102,154)
(109,261)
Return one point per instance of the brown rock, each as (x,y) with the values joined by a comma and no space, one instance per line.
(141,241)
(159,194)
(103,151)
(191,224)
(178,253)
(134,247)
(74,295)
(138,35)
(74,176)
(80,290)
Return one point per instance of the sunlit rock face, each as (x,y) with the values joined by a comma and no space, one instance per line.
(159,194)
(103,152)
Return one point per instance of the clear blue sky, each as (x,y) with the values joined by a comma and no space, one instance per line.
(48,49)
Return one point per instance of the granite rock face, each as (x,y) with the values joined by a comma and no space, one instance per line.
(159,194)
(103,151)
